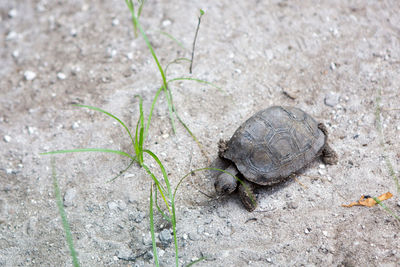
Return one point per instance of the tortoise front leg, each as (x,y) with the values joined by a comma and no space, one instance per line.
(247,196)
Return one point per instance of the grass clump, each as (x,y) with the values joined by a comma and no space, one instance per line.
(160,185)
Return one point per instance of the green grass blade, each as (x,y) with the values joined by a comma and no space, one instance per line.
(141,131)
(196,261)
(174,39)
(64,220)
(122,153)
(196,80)
(159,186)
(150,47)
(200,145)
(172,210)
(160,69)
(153,236)
(164,173)
(171,107)
(386,208)
(159,208)
(141,3)
(121,172)
(110,115)
(151,112)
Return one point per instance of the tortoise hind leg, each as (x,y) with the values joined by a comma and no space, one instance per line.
(247,196)
(329,155)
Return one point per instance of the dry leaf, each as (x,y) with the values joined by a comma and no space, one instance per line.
(368,201)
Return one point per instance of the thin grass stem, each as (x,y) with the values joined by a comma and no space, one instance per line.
(110,115)
(196,80)
(63,215)
(194,41)
(118,152)
(151,112)
(173,39)
(386,208)
(121,172)
(153,236)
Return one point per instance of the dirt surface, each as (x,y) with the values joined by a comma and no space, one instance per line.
(337,60)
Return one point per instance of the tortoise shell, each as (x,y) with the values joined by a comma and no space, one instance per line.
(274,143)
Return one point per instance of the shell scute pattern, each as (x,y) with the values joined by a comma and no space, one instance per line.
(274,143)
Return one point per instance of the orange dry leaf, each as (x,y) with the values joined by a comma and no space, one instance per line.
(368,201)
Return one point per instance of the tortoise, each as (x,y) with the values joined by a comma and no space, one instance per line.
(268,148)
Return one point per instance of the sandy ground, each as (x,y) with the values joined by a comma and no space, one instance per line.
(337,60)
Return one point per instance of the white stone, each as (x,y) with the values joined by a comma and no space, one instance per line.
(69,197)
(15,54)
(29,75)
(129,55)
(166,23)
(12,13)
(331,99)
(32,130)
(115,22)
(73,32)
(75,125)
(11,36)
(61,76)
(7,138)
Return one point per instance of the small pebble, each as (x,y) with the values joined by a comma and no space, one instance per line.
(129,55)
(31,228)
(331,99)
(292,205)
(12,13)
(75,70)
(29,75)
(15,54)
(111,52)
(398,203)
(7,138)
(11,36)
(73,32)
(194,236)
(115,22)
(69,197)
(333,66)
(166,23)
(146,240)
(113,206)
(307,230)
(75,125)
(61,76)
(125,254)
(165,237)
(32,130)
